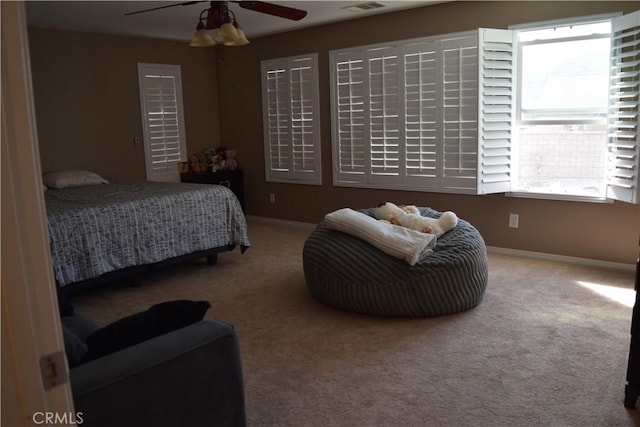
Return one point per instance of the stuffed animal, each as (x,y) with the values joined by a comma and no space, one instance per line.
(411,209)
(409,216)
(231,163)
(439,226)
(390,212)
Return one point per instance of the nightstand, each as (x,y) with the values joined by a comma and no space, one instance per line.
(229,178)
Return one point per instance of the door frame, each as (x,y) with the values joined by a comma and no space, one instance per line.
(29,311)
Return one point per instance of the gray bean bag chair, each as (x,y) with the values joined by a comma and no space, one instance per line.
(348,273)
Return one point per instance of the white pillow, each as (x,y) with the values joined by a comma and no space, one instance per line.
(63,179)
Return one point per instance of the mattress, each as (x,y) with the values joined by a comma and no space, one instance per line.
(98,229)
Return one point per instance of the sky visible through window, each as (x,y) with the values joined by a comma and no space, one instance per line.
(567,75)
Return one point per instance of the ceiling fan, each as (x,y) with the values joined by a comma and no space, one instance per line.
(219,17)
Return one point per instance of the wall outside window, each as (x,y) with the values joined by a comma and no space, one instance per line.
(560,158)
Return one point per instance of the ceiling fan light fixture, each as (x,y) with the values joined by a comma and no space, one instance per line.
(219,16)
(227,33)
(241,40)
(201,38)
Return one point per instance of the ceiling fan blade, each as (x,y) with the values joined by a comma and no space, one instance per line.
(187,3)
(273,9)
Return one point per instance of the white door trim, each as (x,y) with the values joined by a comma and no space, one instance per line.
(30,318)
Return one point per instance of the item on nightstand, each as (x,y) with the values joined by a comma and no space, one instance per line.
(220,152)
(231,162)
(208,153)
(183,167)
(196,165)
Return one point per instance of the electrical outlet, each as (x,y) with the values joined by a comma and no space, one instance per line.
(272,197)
(513,220)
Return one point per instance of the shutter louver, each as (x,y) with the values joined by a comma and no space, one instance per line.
(291,128)
(496,106)
(624,117)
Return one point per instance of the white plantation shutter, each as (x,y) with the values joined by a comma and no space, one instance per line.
(351,135)
(384,115)
(623,121)
(367,124)
(163,119)
(459,107)
(421,119)
(291,120)
(277,135)
(496,105)
(304,120)
(405,115)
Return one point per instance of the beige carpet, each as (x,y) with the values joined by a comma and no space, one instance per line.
(540,349)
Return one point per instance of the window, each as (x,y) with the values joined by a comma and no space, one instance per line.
(291,120)
(577,109)
(551,109)
(406,115)
(562,120)
(162,120)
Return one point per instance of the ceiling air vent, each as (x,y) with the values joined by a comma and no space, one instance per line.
(362,7)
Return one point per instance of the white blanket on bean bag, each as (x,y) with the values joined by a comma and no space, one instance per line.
(400,242)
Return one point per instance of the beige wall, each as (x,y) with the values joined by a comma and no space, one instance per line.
(87,104)
(86,93)
(599,231)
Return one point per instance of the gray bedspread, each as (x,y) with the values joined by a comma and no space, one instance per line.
(102,228)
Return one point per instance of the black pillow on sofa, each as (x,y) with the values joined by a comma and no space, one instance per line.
(73,347)
(64,306)
(157,320)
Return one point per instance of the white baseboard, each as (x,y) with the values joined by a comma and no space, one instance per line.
(491,249)
(562,258)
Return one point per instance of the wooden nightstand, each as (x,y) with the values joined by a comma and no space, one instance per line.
(229,178)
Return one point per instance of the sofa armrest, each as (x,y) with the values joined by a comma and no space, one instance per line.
(188,377)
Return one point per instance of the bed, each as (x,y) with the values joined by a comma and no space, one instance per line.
(100,233)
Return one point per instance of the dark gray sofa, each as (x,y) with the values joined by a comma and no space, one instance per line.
(188,377)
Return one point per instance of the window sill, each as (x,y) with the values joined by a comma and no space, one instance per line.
(561,197)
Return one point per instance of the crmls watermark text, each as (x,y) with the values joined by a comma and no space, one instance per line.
(57,418)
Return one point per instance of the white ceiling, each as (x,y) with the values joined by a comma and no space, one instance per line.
(178,23)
